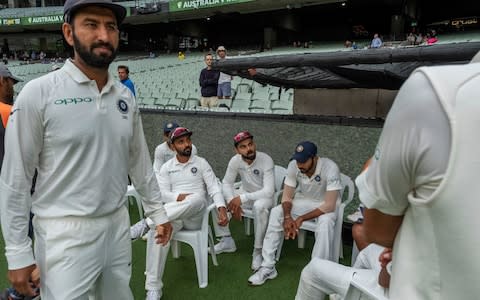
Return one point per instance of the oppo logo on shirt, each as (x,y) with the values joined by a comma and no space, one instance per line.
(78,100)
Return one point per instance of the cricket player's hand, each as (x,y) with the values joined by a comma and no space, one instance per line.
(234,204)
(222,216)
(164,233)
(25,280)
(289,228)
(182,197)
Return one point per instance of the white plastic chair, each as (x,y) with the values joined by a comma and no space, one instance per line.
(357,290)
(200,240)
(311,225)
(279,174)
(131,192)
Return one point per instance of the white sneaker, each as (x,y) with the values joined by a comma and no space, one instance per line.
(256,260)
(226,244)
(356,217)
(154,295)
(262,275)
(138,229)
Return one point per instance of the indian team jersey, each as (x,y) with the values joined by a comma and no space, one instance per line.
(257,178)
(84,143)
(325,178)
(194,176)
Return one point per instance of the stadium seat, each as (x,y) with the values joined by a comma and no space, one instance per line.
(200,241)
(227,102)
(241,105)
(259,104)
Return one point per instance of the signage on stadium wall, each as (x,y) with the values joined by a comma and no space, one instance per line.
(42,20)
(25,21)
(10,21)
(182,5)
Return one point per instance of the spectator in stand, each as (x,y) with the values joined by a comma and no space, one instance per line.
(225,80)
(42,56)
(209,83)
(432,37)
(419,39)
(376,42)
(123,73)
(411,39)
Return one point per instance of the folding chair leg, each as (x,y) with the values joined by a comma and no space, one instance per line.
(140,207)
(301,238)
(201,262)
(211,244)
(248,226)
(175,246)
(354,253)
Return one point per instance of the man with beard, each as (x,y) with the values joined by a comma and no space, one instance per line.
(163,153)
(256,173)
(81,129)
(187,183)
(311,190)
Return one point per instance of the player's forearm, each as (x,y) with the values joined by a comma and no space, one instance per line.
(311,215)
(381,228)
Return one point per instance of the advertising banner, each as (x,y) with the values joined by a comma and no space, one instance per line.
(40,20)
(183,5)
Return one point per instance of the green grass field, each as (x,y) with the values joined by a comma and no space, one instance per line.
(226,281)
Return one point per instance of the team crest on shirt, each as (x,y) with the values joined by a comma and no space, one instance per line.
(194,170)
(122,106)
(318,178)
(256,172)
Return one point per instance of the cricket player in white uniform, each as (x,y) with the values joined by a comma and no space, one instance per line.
(256,173)
(311,190)
(81,129)
(163,153)
(421,188)
(323,277)
(187,182)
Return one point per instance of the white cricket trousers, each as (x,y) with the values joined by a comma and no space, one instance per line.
(323,232)
(322,277)
(261,211)
(185,214)
(84,258)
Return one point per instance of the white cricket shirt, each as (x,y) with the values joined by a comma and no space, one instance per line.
(194,176)
(84,144)
(258,180)
(325,178)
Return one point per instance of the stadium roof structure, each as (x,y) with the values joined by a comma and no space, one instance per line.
(384,68)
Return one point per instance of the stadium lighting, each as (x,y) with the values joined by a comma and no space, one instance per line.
(344,3)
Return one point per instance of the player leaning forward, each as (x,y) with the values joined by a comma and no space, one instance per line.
(81,129)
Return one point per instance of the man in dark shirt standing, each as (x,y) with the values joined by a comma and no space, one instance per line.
(209,83)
